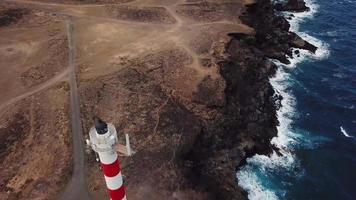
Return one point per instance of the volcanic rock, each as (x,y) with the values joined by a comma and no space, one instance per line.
(292,5)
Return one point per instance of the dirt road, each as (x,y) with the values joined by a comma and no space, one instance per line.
(77,187)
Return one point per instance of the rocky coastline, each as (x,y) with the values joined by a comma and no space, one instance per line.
(248,120)
(195,108)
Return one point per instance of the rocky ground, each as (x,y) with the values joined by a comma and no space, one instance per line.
(187,80)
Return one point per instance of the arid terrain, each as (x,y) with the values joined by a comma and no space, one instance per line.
(35,140)
(160,71)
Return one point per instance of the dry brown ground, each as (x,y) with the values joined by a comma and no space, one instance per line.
(33,54)
(35,146)
(148,66)
(35,143)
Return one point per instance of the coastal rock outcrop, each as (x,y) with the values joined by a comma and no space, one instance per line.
(272,36)
(298,42)
(292,5)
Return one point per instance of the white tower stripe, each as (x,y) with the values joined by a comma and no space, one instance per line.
(107,157)
(115,182)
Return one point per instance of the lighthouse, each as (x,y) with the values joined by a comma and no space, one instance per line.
(103,140)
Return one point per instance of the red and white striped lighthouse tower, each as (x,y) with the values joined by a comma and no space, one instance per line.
(103,140)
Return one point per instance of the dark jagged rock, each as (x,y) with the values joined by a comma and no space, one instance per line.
(298,42)
(292,5)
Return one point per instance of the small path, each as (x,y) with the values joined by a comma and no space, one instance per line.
(77,188)
(39,88)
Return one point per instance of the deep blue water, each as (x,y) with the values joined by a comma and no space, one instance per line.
(319,92)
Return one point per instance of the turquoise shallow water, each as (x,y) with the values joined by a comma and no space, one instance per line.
(317,134)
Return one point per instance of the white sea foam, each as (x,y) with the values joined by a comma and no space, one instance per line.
(287,111)
(286,138)
(343,131)
(248,180)
(254,186)
(302,16)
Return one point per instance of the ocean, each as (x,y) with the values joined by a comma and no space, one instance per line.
(317,131)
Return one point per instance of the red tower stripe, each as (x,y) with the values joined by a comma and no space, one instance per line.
(112,169)
(118,194)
